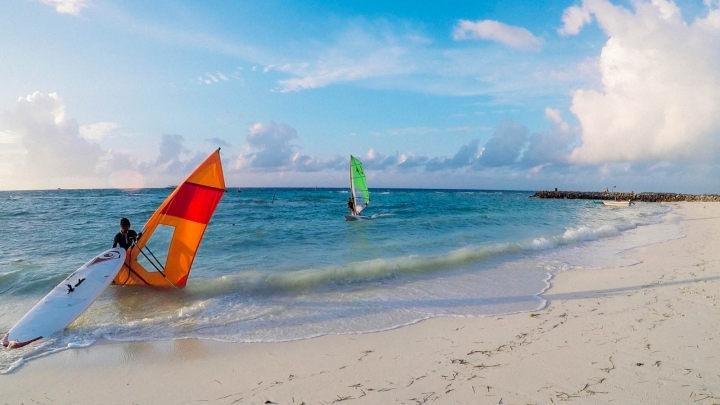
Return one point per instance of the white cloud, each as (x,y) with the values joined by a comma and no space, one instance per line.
(217,77)
(556,117)
(359,53)
(54,154)
(173,164)
(409,161)
(660,86)
(72,7)
(378,161)
(270,146)
(553,146)
(383,62)
(42,148)
(465,157)
(516,37)
(169,159)
(97,131)
(504,148)
(9,138)
(574,18)
(382,54)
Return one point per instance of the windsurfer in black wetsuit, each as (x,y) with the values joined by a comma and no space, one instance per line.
(351,205)
(126,237)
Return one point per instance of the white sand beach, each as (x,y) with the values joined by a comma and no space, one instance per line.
(643,334)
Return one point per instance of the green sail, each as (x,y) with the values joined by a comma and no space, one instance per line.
(358,185)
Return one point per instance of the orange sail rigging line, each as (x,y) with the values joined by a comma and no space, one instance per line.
(181,219)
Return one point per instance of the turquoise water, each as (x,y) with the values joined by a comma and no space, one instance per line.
(282,264)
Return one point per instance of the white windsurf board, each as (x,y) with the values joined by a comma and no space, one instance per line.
(67,300)
(356,217)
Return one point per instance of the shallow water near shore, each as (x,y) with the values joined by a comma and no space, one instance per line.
(282,264)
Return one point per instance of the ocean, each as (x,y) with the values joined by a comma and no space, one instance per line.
(283,264)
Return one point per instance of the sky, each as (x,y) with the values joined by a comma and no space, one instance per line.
(503,95)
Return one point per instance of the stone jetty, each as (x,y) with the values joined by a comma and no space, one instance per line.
(645,197)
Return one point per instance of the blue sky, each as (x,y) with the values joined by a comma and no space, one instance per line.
(578,95)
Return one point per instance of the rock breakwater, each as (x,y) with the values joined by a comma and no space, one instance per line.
(644,197)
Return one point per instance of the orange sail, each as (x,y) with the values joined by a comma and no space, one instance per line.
(170,238)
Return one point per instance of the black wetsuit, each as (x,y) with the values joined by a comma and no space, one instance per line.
(126,240)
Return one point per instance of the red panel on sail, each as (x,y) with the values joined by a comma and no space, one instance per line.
(194,202)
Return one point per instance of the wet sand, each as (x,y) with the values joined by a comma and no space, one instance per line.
(643,334)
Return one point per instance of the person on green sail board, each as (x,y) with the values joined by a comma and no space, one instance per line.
(359,194)
(351,206)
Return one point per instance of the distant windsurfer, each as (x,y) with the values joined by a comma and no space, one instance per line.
(126,237)
(351,206)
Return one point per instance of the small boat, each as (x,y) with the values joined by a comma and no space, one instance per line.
(359,193)
(618,203)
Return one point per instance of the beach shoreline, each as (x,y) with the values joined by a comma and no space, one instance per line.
(640,334)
